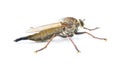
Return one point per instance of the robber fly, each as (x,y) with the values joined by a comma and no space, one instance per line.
(65,29)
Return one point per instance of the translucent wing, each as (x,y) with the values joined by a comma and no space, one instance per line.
(44,27)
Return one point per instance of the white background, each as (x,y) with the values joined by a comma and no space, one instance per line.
(18,16)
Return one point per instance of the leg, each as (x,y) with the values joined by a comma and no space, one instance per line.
(73,44)
(64,36)
(91,29)
(91,35)
(46,44)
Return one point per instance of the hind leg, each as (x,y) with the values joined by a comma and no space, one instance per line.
(46,44)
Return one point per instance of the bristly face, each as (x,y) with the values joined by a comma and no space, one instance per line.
(81,23)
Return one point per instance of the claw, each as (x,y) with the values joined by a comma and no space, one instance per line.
(35,52)
(105,39)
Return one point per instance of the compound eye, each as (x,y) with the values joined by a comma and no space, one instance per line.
(81,23)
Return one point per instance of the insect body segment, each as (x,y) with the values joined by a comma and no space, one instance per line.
(66,28)
(72,25)
(43,34)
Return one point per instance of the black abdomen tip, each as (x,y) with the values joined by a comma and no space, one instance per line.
(22,38)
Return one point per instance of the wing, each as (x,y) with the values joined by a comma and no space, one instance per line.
(44,27)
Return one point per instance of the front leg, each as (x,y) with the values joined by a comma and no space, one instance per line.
(90,29)
(90,35)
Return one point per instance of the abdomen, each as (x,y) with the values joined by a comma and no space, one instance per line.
(45,34)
